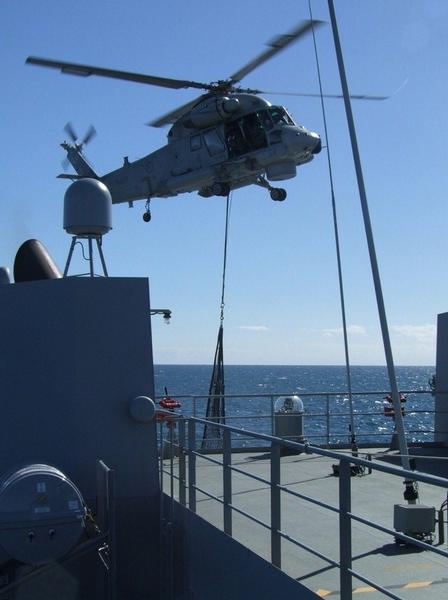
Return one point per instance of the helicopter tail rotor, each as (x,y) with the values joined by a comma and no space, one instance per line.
(89,135)
(76,148)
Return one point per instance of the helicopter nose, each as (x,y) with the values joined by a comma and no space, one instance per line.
(318,147)
(304,141)
(314,142)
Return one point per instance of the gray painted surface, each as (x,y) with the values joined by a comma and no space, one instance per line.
(441,403)
(74,353)
(210,564)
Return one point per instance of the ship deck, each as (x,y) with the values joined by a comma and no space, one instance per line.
(404,571)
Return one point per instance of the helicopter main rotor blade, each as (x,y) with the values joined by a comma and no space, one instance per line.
(277,44)
(336,96)
(87,70)
(173,115)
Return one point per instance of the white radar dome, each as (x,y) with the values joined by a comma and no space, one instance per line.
(87,208)
(288,404)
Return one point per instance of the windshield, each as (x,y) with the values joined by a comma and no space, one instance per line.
(279,115)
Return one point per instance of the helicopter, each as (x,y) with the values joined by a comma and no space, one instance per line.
(227,138)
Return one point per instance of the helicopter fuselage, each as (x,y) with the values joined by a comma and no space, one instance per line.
(223,143)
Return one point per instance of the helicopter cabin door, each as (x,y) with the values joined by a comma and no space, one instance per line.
(245,135)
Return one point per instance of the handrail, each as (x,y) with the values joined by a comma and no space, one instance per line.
(301,394)
(186,447)
(349,458)
(326,417)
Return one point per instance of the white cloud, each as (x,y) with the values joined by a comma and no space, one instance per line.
(351,329)
(420,333)
(253,327)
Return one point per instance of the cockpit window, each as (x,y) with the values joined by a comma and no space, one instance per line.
(195,142)
(279,115)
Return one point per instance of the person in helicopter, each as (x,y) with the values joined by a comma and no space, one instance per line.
(236,143)
(254,131)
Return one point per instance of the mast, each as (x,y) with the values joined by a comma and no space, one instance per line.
(372,253)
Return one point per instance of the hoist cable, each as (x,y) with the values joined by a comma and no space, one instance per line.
(336,237)
(216,411)
(228,206)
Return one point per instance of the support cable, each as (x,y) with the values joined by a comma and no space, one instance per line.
(212,436)
(338,250)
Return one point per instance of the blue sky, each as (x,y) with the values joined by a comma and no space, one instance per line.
(282,299)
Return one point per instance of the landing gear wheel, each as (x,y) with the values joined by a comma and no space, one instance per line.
(278,194)
(220,189)
(147,213)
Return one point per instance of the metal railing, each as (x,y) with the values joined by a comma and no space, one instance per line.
(185,449)
(327,417)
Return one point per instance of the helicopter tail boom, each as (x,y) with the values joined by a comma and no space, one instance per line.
(78,161)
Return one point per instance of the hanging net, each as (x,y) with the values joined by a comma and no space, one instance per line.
(216,401)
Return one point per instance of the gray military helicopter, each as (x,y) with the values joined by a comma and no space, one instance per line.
(225,139)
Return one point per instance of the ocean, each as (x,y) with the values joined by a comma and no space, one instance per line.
(322,389)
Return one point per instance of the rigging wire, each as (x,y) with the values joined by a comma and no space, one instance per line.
(336,237)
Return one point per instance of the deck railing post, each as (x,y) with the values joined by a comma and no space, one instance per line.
(111,525)
(345,530)
(161,455)
(171,425)
(227,480)
(272,416)
(191,465)
(447,517)
(328,418)
(276,550)
(182,464)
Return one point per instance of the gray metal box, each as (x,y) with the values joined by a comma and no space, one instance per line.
(414,518)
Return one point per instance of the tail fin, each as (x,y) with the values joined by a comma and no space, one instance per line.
(78,161)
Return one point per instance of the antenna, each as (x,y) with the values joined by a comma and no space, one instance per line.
(87,216)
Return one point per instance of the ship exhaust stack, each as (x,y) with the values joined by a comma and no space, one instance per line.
(33,262)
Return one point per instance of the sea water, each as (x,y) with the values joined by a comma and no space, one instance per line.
(323,390)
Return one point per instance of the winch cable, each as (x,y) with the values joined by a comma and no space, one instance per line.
(212,437)
(224,266)
(353,443)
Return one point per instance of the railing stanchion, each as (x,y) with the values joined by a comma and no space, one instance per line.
(111,525)
(171,425)
(345,530)
(227,480)
(276,549)
(328,418)
(272,416)
(446,517)
(182,464)
(161,455)
(191,465)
